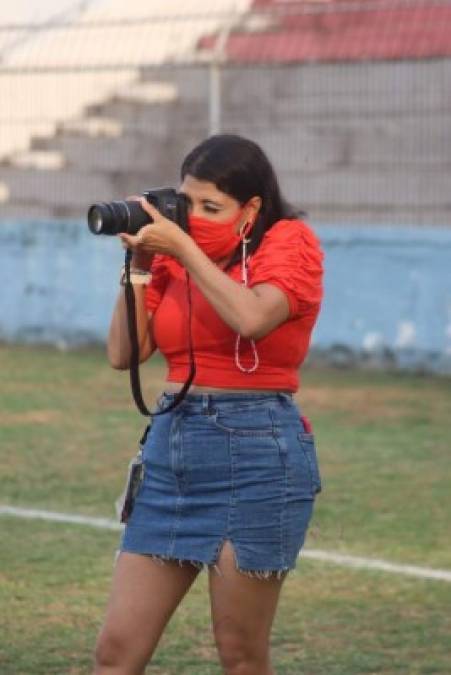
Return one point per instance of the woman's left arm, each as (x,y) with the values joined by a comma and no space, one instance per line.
(251,312)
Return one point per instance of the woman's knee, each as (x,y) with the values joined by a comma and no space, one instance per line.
(110,649)
(113,651)
(240,653)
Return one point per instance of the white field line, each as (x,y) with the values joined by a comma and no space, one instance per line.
(72,518)
(375,564)
(314,554)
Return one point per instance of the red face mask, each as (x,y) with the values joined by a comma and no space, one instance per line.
(217,240)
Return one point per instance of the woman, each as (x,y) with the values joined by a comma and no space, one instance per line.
(231,473)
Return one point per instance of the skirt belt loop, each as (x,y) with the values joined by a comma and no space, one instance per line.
(205,404)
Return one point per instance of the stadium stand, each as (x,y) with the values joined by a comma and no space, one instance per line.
(51,71)
(349,97)
(341,30)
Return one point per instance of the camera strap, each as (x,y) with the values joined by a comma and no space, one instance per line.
(135,382)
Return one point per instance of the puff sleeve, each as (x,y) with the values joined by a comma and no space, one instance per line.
(290,257)
(157,286)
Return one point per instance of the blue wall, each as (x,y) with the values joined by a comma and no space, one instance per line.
(387,301)
(387,296)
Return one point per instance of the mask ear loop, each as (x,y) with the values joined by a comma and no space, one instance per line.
(244,281)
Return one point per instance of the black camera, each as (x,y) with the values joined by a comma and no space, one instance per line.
(129,216)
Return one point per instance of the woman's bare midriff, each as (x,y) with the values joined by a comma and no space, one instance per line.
(174,387)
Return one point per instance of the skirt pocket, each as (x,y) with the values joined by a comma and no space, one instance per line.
(254,424)
(307,444)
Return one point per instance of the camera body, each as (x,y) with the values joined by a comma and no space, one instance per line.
(129,217)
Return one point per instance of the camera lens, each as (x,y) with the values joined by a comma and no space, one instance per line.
(114,217)
(95,220)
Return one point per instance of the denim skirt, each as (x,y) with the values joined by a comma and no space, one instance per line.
(240,467)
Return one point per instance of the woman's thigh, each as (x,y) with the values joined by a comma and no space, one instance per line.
(242,607)
(145,592)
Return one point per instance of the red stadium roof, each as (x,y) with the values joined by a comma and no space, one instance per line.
(287,31)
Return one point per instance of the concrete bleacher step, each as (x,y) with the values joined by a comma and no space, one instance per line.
(139,117)
(63,187)
(47,159)
(126,153)
(91,127)
(148,92)
(366,186)
(135,98)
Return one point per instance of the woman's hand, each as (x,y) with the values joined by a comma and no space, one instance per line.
(160,236)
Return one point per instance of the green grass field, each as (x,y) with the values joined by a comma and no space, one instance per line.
(67,430)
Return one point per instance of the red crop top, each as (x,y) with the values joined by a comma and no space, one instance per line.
(288,257)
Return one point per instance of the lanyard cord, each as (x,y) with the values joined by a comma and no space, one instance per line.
(135,382)
(245,281)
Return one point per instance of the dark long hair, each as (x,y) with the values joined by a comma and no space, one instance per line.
(240,168)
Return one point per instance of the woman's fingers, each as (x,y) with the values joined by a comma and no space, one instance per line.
(150,209)
(139,241)
(132,240)
(159,236)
